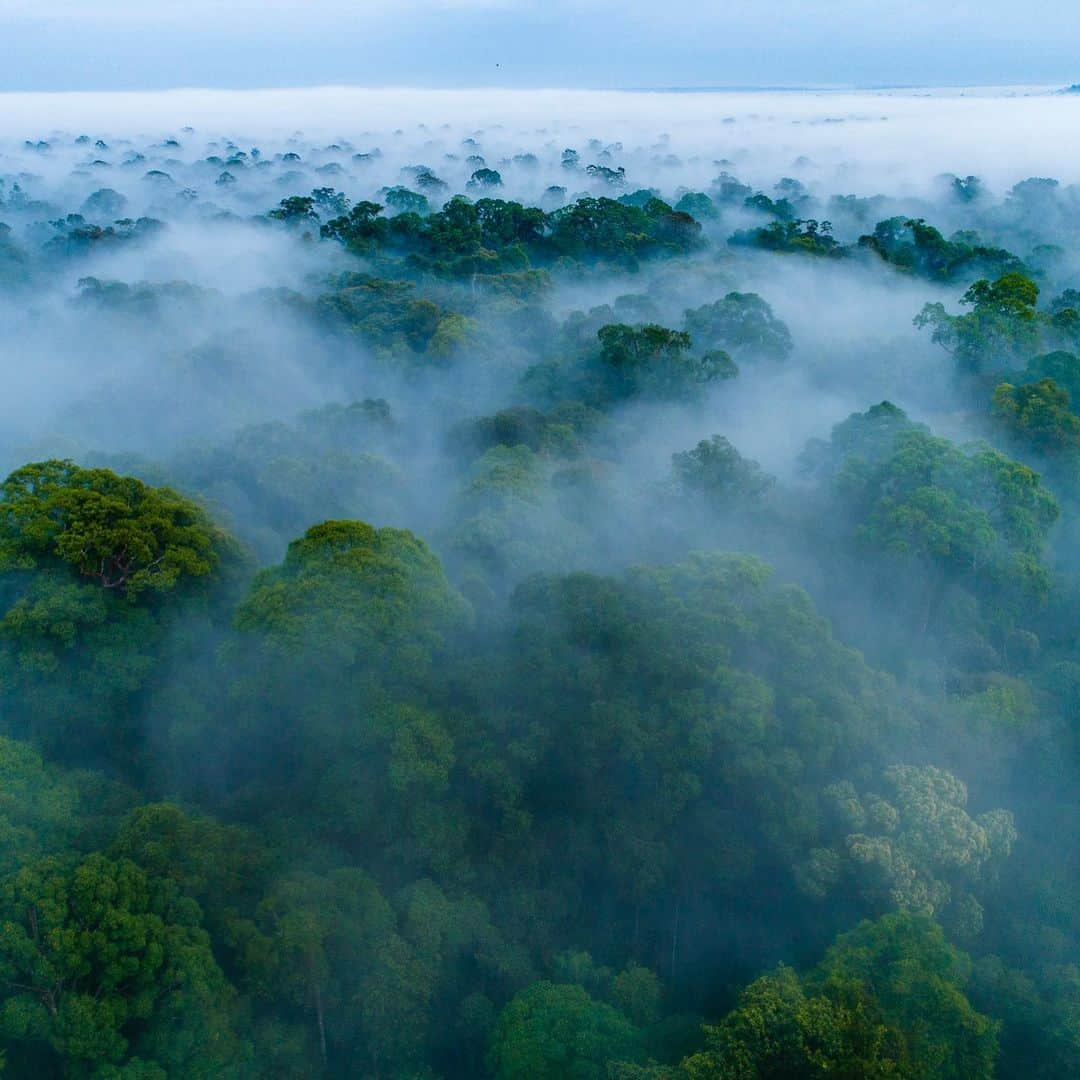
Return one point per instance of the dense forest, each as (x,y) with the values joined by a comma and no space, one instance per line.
(478,605)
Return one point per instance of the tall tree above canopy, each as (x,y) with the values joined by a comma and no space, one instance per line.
(351,593)
(653,361)
(94,569)
(114,530)
(743,324)
(1002,329)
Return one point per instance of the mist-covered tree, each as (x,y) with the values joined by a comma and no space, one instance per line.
(95,571)
(349,596)
(919,248)
(951,519)
(1003,327)
(717,474)
(743,324)
(779,1030)
(652,361)
(329,948)
(808,237)
(1039,415)
(914,846)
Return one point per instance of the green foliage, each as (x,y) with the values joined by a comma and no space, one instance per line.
(743,324)
(698,205)
(387,315)
(38,810)
(349,595)
(552,1032)
(560,432)
(1061,367)
(100,961)
(795,237)
(116,531)
(509,520)
(76,238)
(779,1030)
(863,439)
(888,1000)
(94,570)
(332,950)
(274,479)
(606,229)
(347,823)
(717,473)
(968,518)
(918,248)
(1039,415)
(493,236)
(1002,329)
(915,847)
(653,361)
(296,209)
(916,980)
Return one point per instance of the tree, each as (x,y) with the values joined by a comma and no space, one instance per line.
(887,1001)
(352,596)
(504,223)
(698,205)
(653,361)
(296,210)
(330,680)
(778,1030)
(961,518)
(916,981)
(1039,415)
(806,237)
(1060,366)
(405,202)
(331,948)
(557,1032)
(221,867)
(607,229)
(39,810)
(95,569)
(717,473)
(915,847)
(1003,327)
(361,229)
(915,246)
(485,178)
(743,324)
(115,531)
(865,438)
(99,961)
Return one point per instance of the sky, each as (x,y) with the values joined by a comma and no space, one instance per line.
(632,44)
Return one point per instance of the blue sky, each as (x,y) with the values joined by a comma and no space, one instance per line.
(137,44)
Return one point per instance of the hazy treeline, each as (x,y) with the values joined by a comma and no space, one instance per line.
(488,605)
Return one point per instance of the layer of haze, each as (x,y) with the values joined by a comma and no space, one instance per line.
(80,384)
(866,141)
